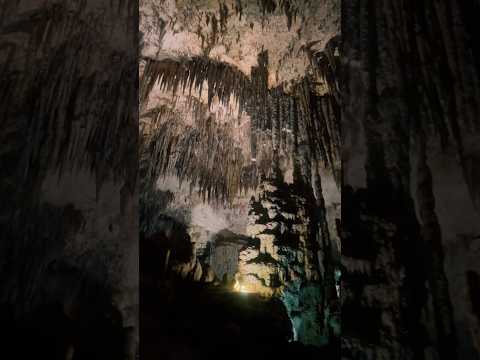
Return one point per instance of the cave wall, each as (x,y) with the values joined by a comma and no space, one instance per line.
(230,97)
(410,194)
(410,216)
(223,253)
(285,259)
(221,116)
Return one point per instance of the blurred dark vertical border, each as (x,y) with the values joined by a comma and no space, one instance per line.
(68,175)
(410,197)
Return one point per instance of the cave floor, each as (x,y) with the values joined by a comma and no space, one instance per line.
(188,320)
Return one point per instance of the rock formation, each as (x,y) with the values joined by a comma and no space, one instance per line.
(410,216)
(237,124)
(287,260)
(240,99)
(68,238)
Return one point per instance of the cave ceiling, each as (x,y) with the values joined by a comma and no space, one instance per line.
(201,63)
(236,31)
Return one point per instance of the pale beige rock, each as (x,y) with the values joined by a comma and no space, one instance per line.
(255,229)
(197,272)
(248,254)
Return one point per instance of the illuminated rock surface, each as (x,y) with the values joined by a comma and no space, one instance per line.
(182,317)
(233,93)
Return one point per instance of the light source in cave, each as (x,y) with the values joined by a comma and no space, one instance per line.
(262,136)
(239,286)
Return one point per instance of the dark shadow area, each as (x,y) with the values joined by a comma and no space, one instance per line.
(186,319)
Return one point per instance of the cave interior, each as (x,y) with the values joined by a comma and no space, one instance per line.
(198,179)
(239,179)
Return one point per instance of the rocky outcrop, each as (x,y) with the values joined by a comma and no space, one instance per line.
(283,261)
(184,317)
(286,248)
(223,253)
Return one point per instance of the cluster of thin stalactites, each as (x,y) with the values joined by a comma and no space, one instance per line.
(282,125)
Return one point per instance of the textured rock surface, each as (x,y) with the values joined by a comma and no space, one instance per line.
(224,253)
(184,317)
(232,93)
(235,35)
(68,249)
(284,261)
(227,120)
(410,122)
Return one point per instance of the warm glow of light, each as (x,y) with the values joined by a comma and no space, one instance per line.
(239,287)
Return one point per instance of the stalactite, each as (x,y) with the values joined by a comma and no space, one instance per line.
(214,29)
(198,154)
(276,130)
(239,9)
(290,12)
(290,131)
(223,80)
(289,8)
(58,86)
(330,299)
(297,121)
(223,10)
(419,69)
(326,64)
(303,149)
(267,6)
(443,312)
